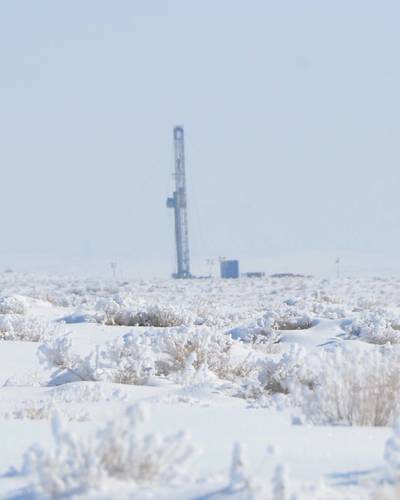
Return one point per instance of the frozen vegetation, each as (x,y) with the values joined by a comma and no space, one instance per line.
(273,388)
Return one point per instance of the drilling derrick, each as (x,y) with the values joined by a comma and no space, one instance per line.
(179,203)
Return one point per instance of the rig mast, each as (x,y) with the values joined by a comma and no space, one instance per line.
(179,203)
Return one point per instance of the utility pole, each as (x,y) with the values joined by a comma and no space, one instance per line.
(113,266)
(178,202)
(210,264)
(337,262)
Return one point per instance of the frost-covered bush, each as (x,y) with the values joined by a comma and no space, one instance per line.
(329,311)
(277,401)
(29,329)
(177,345)
(264,326)
(12,305)
(121,451)
(267,344)
(318,304)
(43,410)
(323,295)
(57,353)
(354,388)
(294,368)
(110,312)
(125,360)
(153,315)
(81,392)
(208,312)
(121,313)
(291,318)
(337,386)
(373,327)
(284,317)
(244,485)
(204,347)
(137,356)
(241,483)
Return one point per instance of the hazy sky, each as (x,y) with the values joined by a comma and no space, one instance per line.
(292,117)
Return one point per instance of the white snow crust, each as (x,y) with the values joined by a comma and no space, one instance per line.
(272,388)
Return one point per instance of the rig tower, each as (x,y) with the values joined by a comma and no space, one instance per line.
(179,203)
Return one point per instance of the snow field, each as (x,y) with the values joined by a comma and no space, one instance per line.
(281,387)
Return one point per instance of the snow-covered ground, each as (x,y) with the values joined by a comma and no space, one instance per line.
(270,388)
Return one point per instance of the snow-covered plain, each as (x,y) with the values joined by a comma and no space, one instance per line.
(270,388)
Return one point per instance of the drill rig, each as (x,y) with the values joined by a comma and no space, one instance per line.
(178,202)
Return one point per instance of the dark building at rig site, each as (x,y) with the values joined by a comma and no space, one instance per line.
(229,268)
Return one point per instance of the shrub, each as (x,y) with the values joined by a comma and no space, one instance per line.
(12,305)
(267,344)
(18,327)
(43,410)
(119,451)
(354,388)
(57,352)
(135,357)
(339,386)
(154,315)
(113,313)
(294,368)
(178,345)
(243,485)
(204,347)
(78,392)
(265,326)
(284,317)
(125,360)
(374,328)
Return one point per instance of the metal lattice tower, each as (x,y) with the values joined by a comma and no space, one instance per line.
(179,203)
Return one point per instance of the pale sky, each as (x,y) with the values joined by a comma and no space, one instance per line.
(291,114)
